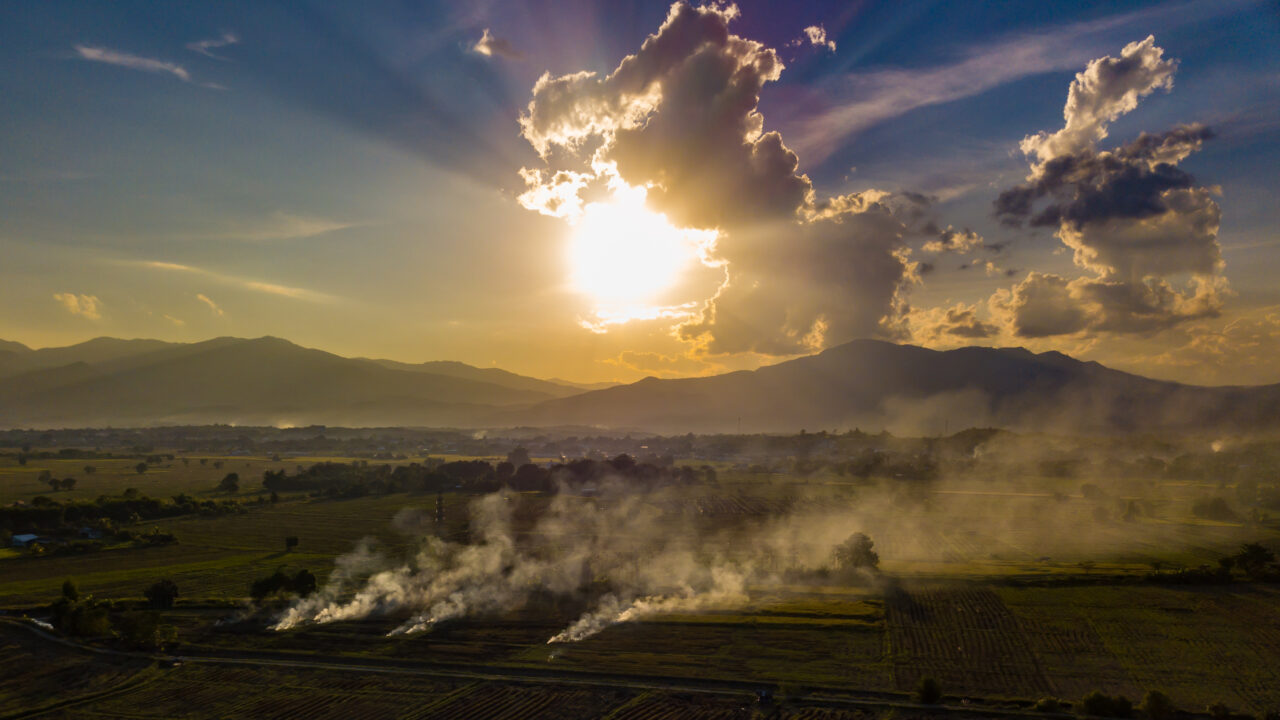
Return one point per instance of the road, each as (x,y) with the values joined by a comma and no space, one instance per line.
(816,697)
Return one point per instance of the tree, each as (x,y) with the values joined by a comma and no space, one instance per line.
(304,583)
(928,692)
(217,464)
(856,553)
(204,461)
(89,469)
(1095,703)
(22,458)
(46,477)
(130,493)
(70,591)
(162,594)
(140,467)
(1158,706)
(1253,559)
(230,483)
(144,630)
(275,497)
(519,456)
(290,543)
(68,483)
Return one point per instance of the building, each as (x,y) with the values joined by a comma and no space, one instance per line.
(24,540)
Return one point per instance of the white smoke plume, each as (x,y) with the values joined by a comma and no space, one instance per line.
(617,541)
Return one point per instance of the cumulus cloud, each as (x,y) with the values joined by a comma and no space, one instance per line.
(680,118)
(1108,88)
(943,325)
(133,62)
(816,35)
(86,306)
(1130,215)
(206,47)
(213,306)
(489,45)
(952,240)
(1046,304)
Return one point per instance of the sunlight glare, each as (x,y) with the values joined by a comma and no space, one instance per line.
(624,256)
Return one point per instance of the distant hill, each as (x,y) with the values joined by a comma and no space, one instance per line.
(496,376)
(868,384)
(584,386)
(261,381)
(874,385)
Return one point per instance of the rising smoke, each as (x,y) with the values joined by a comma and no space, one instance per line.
(1003,504)
(616,544)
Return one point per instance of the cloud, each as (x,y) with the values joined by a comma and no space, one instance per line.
(283,226)
(1046,304)
(206,47)
(1131,216)
(86,306)
(133,62)
(213,306)
(816,35)
(952,240)
(489,46)
(956,324)
(1240,352)
(680,119)
(855,102)
(176,321)
(246,283)
(1106,89)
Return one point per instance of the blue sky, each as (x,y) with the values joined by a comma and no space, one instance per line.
(347,175)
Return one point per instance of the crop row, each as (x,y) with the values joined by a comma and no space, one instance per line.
(966,639)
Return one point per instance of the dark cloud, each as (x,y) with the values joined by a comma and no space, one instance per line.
(1086,187)
(1131,216)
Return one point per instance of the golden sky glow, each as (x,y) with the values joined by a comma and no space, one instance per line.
(685,190)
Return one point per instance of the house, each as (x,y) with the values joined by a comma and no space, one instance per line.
(88,533)
(24,540)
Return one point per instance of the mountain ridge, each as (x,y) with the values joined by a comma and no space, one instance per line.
(863,383)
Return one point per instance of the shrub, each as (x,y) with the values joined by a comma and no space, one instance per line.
(1048,705)
(1095,703)
(1158,706)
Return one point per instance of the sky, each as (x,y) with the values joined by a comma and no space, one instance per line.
(610,190)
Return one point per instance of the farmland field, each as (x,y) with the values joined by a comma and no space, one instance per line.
(988,588)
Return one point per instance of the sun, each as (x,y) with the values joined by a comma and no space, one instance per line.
(625,256)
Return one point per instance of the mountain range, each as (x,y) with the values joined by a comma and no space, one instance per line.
(864,383)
